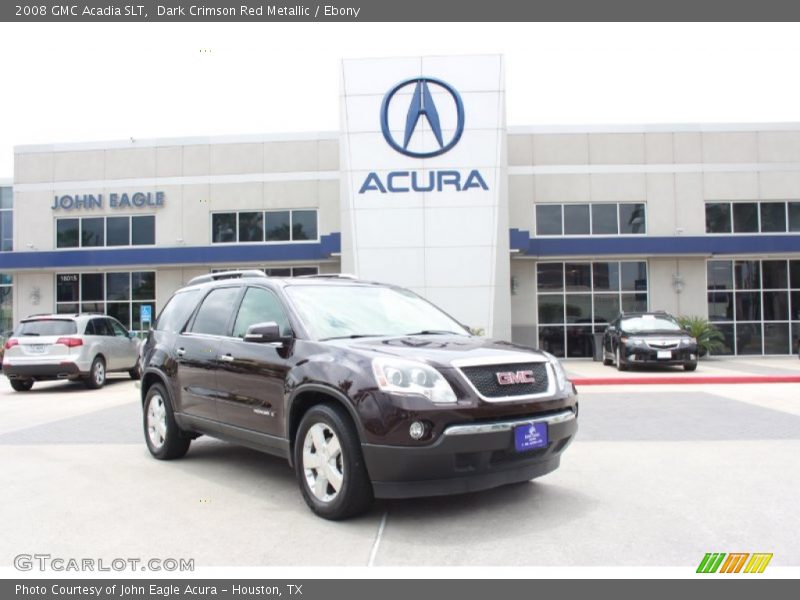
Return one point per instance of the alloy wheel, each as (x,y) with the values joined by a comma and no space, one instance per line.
(322,462)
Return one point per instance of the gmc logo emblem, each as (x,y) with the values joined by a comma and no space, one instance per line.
(510,377)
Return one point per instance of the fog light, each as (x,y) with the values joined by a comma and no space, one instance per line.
(692,357)
(417,430)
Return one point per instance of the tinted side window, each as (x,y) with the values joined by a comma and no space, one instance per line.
(89,328)
(212,316)
(118,329)
(260,306)
(101,327)
(177,311)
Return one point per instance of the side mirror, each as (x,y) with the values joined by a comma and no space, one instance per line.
(131,334)
(264,333)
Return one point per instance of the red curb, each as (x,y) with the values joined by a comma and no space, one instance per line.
(686,379)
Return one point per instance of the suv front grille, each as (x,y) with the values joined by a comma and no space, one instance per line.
(486,379)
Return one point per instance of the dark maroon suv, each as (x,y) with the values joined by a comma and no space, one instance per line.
(366,389)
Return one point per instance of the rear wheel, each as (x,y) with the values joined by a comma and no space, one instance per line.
(329,464)
(97,374)
(164,438)
(21,385)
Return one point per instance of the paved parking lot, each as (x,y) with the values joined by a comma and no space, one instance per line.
(659,475)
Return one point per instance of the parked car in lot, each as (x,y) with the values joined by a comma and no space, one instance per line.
(654,338)
(366,389)
(79,346)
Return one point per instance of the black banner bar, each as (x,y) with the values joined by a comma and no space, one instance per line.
(399,10)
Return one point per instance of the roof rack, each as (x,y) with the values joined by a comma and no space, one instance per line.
(226,275)
(328,276)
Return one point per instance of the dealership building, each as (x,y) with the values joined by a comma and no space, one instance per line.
(537,234)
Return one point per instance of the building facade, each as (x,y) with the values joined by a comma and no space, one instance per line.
(538,234)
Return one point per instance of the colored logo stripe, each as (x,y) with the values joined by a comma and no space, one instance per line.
(714,562)
(758,563)
(734,562)
(711,562)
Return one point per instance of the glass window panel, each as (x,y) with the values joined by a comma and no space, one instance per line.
(67,287)
(605,276)
(745,217)
(720,306)
(776,306)
(118,286)
(776,338)
(774,274)
(67,233)
(143,230)
(260,306)
(633,276)
(143,284)
(92,287)
(279,272)
(551,339)
(6,279)
(92,232)
(550,276)
(223,228)
(300,271)
(794,273)
(748,306)
(748,338)
(748,274)
(121,311)
(794,216)
(727,344)
(632,218)
(773,217)
(604,219)
(795,338)
(251,226)
(795,311)
(118,231)
(6,231)
(551,308)
(634,303)
(212,316)
(720,275)
(304,225)
(579,308)
(718,217)
(606,307)
(136,312)
(6,197)
(65,309)
(93,307)
(579,342)
(277,226)
(548,219)
(578,277)
(576,219)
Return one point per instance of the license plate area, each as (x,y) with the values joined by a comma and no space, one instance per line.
(664,354)
(36,348)
(530,436)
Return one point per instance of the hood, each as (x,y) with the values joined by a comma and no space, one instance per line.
(441,350)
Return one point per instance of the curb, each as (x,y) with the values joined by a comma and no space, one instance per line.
(688,379)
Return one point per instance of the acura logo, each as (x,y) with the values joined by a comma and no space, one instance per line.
(423,109)
(512,377)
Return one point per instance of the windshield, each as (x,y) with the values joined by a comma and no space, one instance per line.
(647,323)
(47,327)
(336,311)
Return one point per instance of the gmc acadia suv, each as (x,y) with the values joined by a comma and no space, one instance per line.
(366,389)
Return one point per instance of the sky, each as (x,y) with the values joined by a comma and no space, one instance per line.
(97,81)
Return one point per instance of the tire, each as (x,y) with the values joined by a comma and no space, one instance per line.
(135,373)
(323,425)
(607,362)
(690,366)
(163,437)
(97,374)
(621,366)
(21,385)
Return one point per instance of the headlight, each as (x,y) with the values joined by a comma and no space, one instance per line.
(398,376)
(632,340)
(687,341)
(561,375)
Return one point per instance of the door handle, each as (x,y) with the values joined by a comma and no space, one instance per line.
(180,351)
(226,357)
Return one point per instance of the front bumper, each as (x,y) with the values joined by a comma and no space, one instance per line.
(643,355)
(42,371)
(467,458)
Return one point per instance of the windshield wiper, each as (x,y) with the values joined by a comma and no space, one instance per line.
(434,332)
(29,334)
(353,336)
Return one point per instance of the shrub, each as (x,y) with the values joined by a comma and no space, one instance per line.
(709,338)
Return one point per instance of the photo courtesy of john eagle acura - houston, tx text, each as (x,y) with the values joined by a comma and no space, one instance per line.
(230,257)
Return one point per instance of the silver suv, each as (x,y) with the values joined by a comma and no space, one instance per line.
(80,346)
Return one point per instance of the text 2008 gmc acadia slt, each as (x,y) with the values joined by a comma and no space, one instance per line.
(367,389)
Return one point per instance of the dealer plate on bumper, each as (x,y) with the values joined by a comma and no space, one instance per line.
(664,354)
(530,436)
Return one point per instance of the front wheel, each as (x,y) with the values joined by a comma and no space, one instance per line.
(21,385)
(97,374)
(164,438)
(621,366)
(329,464)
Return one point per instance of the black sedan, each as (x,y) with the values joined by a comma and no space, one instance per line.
(648,339)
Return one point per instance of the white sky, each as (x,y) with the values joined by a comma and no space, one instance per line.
(81,82)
